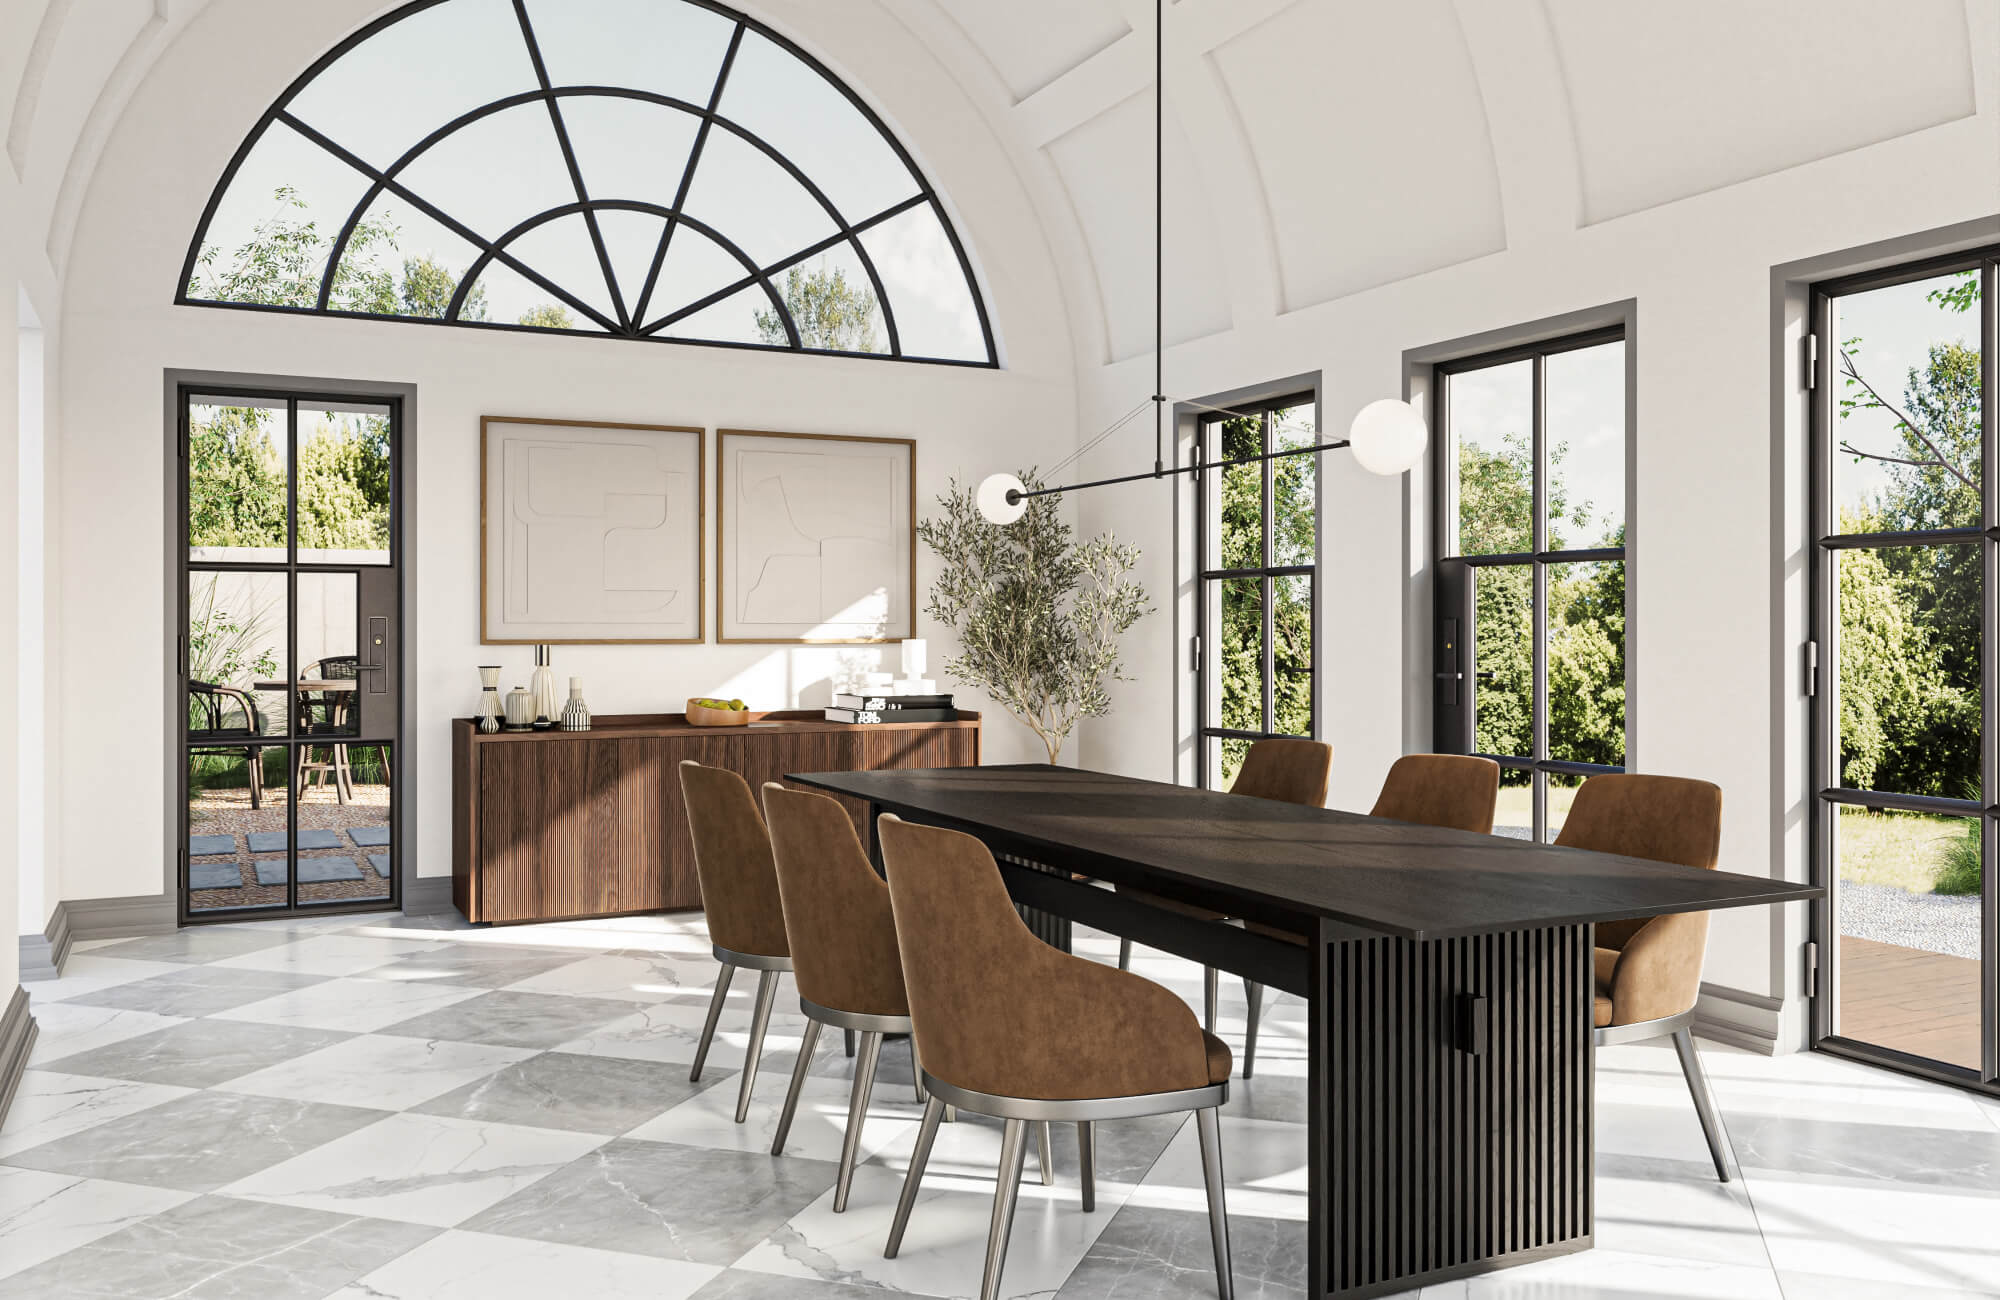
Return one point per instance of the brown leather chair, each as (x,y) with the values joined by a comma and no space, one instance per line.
(739,893)
(1281,768)
(1457,791)
(843,945)
(1014,1028)
(1649,970)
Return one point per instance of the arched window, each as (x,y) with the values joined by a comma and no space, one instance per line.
(658,169)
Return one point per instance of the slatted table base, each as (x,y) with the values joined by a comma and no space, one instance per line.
(1450,1088)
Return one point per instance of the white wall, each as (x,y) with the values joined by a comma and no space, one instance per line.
(121,333)
(1718,547)
(10,473)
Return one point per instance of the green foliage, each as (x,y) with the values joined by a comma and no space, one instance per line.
(344,486)
(1294,538)
(428,287)
(549,316)
(830,313)
(283,260)
(236,480)
(1037,614)
(1586,613)
(1959,871)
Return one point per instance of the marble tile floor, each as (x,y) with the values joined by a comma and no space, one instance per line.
(381,1107)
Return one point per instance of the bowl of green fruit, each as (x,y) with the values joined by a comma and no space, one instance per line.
(706,712)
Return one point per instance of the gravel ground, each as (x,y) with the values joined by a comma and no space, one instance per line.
(1930,922)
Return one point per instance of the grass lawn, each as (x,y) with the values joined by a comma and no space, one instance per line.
(1899,849)
(1516,806)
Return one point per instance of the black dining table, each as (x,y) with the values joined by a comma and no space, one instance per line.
(1448,977)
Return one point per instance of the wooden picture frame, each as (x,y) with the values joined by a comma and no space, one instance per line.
(692,440)
(901,535)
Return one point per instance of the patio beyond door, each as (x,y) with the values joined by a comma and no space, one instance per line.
(290,597)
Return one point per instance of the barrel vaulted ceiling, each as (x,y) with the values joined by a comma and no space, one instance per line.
(1315,148)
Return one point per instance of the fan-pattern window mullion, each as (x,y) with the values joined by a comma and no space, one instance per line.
(392,182)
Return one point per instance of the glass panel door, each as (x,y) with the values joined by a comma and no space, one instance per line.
(290,598)
(1905,742)
(1258,524)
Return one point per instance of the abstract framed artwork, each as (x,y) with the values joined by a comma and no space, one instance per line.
(590,533)
(815,538)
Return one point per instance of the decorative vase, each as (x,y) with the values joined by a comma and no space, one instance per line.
(489,698)
(575,714)
(520,710)
(542,684)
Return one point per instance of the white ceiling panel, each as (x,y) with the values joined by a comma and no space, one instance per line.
(1371,139)
(1107,166)
(1032,42)
(1670,100)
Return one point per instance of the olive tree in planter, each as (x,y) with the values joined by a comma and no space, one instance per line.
(1038,614)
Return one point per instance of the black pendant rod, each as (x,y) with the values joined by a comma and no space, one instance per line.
(1159,234)
(1017,495)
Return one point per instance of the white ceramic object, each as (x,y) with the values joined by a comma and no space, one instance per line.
(489,698)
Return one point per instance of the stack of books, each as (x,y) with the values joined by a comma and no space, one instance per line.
(868,709)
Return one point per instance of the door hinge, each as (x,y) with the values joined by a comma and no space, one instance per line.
(1812,361)
(1194,654)
(1812,970)
(181,656)
(1812,668)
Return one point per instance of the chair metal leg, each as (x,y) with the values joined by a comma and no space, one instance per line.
(767,990)
(857,1115)
(1704,1101)
(714,1014)
(1208,1125)
(914,1177)
(1124,954)
(1211,990)
(1013,1152)
(847,1038)
(1086,1159)
(799,1071)
(1047,1154)
(917,1072)
(1254,994)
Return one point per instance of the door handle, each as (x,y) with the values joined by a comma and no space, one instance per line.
(377,664)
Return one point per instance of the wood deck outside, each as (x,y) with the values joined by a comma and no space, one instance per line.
(1918,1002)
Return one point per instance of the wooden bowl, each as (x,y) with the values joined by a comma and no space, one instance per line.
(700,715)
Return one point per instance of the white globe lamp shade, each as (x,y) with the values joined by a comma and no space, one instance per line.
(993,502)
(1387,436)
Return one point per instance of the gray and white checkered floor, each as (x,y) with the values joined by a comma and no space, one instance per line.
(377,1107)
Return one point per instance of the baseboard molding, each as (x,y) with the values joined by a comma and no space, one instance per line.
(43,955)
(17,1039)
(121,918)
(1754,1022)
(427,896)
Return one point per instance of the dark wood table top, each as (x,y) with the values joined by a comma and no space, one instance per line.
(1418,882)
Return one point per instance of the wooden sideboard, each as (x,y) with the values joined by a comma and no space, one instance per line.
(554,825)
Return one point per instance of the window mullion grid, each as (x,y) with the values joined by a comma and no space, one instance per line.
(1539,605)
(443,218)
(292,751)
(687,180)
(569,162)
(1267,585)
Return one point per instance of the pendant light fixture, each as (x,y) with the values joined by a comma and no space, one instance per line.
(1387,435)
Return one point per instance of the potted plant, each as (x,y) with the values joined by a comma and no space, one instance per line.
(1038,615)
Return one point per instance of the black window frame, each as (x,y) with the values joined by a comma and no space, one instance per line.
(383,181)
(1828,794)
(1537,561)
(1208,728)
(186,392)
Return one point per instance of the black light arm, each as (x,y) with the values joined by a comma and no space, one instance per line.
(1015,496)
